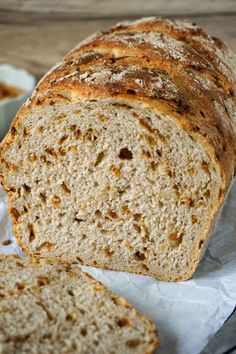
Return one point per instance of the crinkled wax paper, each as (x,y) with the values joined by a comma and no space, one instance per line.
(187,314)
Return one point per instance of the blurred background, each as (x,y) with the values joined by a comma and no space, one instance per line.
(35,34)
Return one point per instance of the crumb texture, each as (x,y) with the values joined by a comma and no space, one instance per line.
(59,309)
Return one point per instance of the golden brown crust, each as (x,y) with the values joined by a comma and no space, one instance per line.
(175,68)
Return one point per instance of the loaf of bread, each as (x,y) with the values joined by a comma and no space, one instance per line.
(57,309)
(125,152)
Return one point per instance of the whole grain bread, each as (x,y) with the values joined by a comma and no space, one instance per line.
(50,308)
(125,152)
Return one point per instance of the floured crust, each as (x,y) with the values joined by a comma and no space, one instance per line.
(171,66)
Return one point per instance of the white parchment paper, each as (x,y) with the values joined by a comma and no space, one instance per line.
(187,314)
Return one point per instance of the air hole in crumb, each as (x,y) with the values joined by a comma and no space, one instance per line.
(78,220)
(83,332)
(137,217)
(112,214)
(26,188)
(146,153)
(20,285)
(100,157)
(194,219)
(190,203)
(131,92)
(220,193)
(158,152)
(200,244)
(65,188)
(73,149)
(137,228)
(98,213)
(207,194)
(205,166)
(202,114)
(25,132)
(25,209)
(56,200)
(47,245)
(71,317)
(15,213)
(176,189)
(145,125)
(175,238)
(191,171)
(32,157)
(115,170)
(125,154)
(77,134)
(63,139)
(195,128)
(70,292)
(62,152)
(139,256)
(150,140)
(13,130)
(145,267)
(47,336)
(108,251)
(72,127)
(122,322)
(154,166)
(51,152)
(31,232)
(187,201)
(43,280)
(43,197)
(132,343)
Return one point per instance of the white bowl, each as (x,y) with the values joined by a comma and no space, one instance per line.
(18,78)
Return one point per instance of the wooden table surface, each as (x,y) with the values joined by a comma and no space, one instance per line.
(35,34)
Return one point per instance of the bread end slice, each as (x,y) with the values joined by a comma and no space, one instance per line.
(56,308)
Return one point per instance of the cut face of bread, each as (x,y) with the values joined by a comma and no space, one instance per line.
(113,185)
(123,161)
(59,309)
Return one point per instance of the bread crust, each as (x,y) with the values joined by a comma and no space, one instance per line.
(182,56)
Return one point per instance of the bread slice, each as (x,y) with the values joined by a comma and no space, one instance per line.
(48,308)
(124,154)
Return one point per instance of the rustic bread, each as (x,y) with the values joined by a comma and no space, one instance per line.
(126,150)
(48,308)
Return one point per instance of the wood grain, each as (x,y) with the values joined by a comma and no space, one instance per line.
(38,44)
(121,8)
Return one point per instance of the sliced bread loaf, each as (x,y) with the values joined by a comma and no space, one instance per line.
(126,150)
(54,309)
